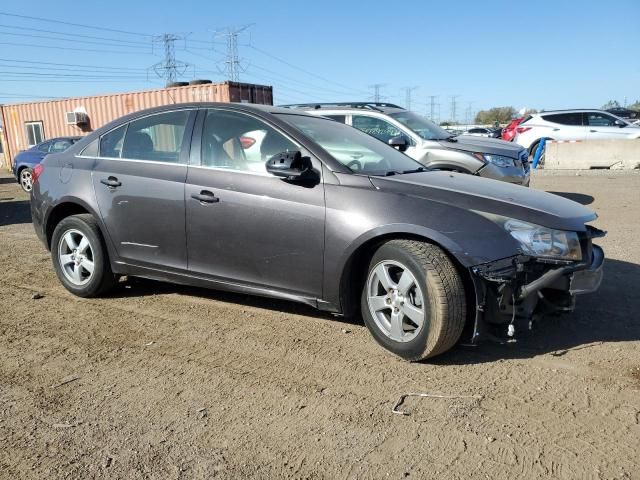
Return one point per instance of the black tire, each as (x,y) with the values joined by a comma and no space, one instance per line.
(200,82)
(444,299)
(102,279)
(177,84)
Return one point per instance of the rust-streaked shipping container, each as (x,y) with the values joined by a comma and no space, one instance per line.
(24,123)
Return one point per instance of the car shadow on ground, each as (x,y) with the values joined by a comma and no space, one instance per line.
(576,197)
(139,287)
(608,315)
(15,212)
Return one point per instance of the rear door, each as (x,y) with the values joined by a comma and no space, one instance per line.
(245,226)
(138,179)
(565,126)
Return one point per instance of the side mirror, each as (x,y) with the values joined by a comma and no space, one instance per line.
(292,166)
(399,142)
(620,124)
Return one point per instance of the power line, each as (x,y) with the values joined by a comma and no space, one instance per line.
(69,64)
(407,96)
(232,62)
(48,37)
(285,62)
(432,104)
(76,35)
(454,105)
(169,68)
(376,91)
(72,48)
(40,19)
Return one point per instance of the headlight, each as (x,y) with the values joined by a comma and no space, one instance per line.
(497,160)
(539,241)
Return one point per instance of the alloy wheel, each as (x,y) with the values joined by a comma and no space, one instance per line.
(75,255)
(395,301)
(26,180)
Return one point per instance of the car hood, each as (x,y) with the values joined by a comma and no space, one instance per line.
(490,196)
(469,143)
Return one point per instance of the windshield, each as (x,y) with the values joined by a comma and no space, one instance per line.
(356,150)
(420,125)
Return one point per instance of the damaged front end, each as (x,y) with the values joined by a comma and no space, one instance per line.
(513,293)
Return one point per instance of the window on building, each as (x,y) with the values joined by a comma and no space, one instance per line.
(35,133)
(158,137)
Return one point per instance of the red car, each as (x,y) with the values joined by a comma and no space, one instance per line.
(510,130)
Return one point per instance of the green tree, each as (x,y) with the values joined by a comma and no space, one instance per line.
(611,104)
(496,114)
(635,106)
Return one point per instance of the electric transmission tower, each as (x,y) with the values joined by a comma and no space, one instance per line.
(454,107)
(407,96)
(232,62)
(377,98)
(432,106)
(169,68)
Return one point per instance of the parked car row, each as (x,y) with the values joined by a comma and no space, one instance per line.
(426,142)
(484,132)
(573,125)
(286,203)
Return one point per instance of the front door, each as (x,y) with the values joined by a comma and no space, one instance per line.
(138,179)
(244,225)
(602,126)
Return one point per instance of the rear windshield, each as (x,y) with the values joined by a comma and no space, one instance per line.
(356,150)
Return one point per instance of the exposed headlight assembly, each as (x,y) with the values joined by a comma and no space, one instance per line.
(497,160)
(539,241)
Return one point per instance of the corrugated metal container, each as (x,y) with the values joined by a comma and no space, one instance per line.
(102,109)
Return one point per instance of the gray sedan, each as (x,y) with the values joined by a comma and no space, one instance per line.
(319,213)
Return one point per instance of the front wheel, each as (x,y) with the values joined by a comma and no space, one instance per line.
(80,257)
(413,301)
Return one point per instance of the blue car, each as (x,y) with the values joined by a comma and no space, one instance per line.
(27,159)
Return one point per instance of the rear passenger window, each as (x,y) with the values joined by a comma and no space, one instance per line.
(111,143)
(158,137)
(574,119)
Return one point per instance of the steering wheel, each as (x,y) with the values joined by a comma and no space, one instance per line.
(354,165)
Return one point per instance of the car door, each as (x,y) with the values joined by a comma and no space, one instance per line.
(602,126)
(245,226)
(138,179)
(564,126)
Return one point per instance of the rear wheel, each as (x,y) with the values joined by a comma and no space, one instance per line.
(80,257)
(25,177)
(413,301)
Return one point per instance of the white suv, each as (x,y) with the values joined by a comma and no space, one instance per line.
(572,125)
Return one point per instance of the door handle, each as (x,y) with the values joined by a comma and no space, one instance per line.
(205,196)
(593,131)
(111,182)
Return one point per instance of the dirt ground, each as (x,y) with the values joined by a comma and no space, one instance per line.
(161,381)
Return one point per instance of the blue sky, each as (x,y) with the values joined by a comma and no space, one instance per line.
(538,54)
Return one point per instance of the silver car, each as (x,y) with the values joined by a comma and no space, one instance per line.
(429,144)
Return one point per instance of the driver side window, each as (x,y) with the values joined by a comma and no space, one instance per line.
(236,141)
(375,127)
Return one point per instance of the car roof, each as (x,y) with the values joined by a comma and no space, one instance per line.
(571,110)
(373,107)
